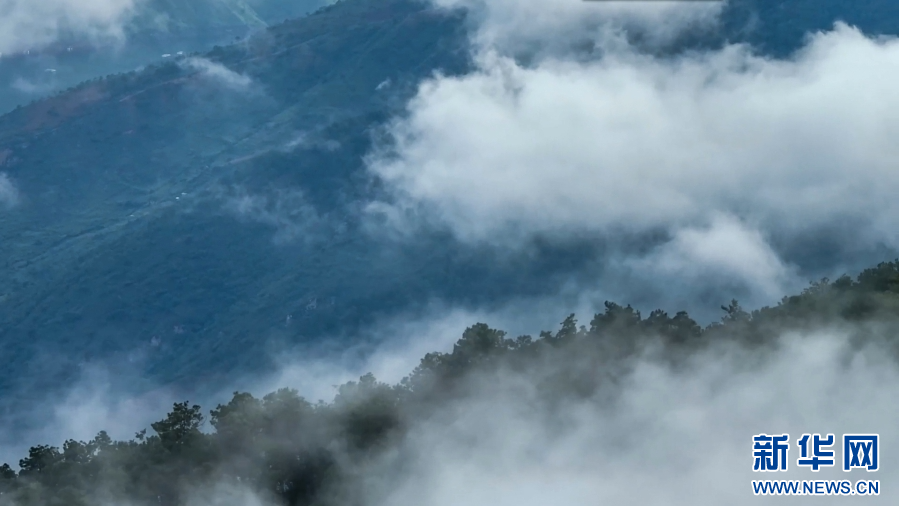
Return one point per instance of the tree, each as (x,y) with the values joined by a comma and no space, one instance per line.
(569,329)
(735,313)
(367,411)
(7,479)
(615,318)
(479,341)
(40,458)
(180,427)
(283,447)
(242,417)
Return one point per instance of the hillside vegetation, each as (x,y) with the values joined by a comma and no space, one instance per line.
(289,451)
(176,220)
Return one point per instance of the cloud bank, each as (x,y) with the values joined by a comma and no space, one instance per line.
(663,435)
(636,141)
(660,430)
(626,142)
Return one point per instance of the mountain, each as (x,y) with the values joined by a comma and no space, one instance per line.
(183,222)
(157,27)
(130,225)
(210,15)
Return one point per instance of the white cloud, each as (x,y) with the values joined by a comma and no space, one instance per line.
(29,87)
(219,73)
(95,403)
(636,143)
(32,24)
(394,348)
(287,211)
(9,195)
(724,250)
(96,400)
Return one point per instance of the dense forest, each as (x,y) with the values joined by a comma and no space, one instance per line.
(286,450)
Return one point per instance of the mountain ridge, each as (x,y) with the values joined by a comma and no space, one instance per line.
(175,205)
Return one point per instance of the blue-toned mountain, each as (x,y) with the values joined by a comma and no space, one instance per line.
(176,221)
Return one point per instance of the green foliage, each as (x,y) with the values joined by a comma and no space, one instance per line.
(295,453)
(181,428)
(615,319)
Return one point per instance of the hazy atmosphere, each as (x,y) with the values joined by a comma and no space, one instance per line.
(350,235)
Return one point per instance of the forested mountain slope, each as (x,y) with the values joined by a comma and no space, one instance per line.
(284,450)
(174,221)
(150,203)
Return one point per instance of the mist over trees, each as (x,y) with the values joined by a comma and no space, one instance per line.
(172,220)
(286,450)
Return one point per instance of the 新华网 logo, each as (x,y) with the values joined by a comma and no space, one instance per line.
(771,453)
